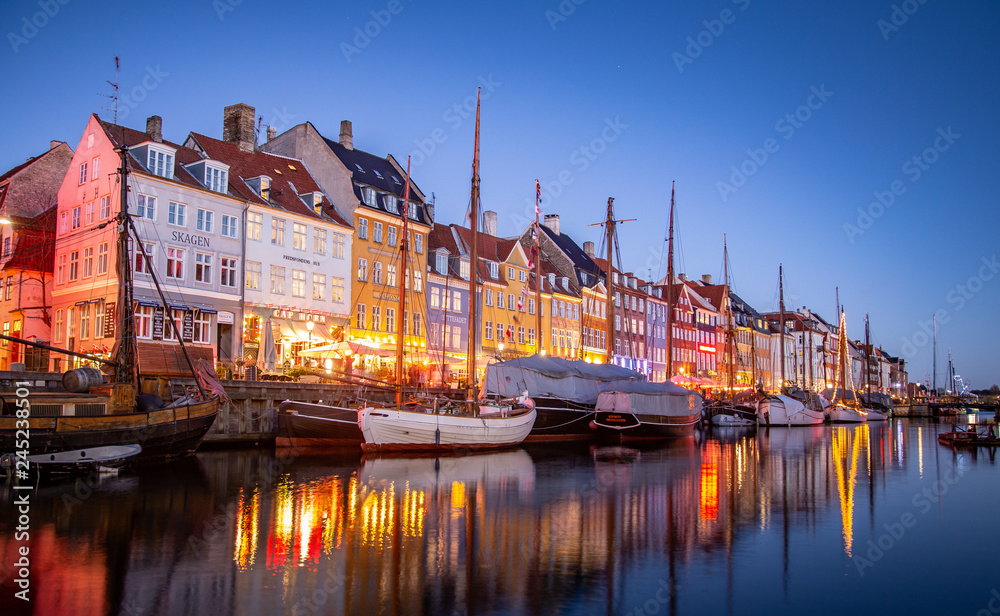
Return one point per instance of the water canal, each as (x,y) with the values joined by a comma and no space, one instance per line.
(828,520)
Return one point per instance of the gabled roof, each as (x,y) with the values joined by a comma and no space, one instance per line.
(32,187)
(121,135)
(576,254)
(289,178)
(34,247)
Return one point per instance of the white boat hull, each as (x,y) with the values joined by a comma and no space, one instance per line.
(723,419)
(786,411)
(846,414)
(403,430)
(877,415)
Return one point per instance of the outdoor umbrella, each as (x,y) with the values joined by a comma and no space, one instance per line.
(270,353)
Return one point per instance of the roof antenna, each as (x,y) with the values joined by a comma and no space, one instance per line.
(114,95)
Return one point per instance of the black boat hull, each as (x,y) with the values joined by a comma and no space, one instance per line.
(614,427)
(301,424)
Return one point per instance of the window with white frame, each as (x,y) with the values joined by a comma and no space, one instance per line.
(376,318)
(456,301)
(144,322)
(494,270)
(255,220)
(83,173)
(298,283)
(390,319)
(277,280)
(319,241)
(105,207)
(85,321)
(278,231)
(368,194)
(361,319)
(418,282)
(227,268)
(391,203)
(390,274)
(203,267)
(362,269)
(74,265)
(76,218)
(391,233)
(99,319)
(173,318)
(319,286)
(418,243)
(203,221)
(146,207)
(441,263)
(88,213)
(488,297)
(362,228)
(377,273)
(338,246)
(57,332)
(298,236)
(175,263)
(141,264)
(88,262)
(160,163)
(253,271)
(229,226)
(203,327)
(176,213)
(96,168)
(338,290)
(377,232)
(216,179)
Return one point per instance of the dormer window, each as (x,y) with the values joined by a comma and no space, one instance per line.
(375,171)
(391,204)
(216,179)
(441,262)
(368,195)
(494,271)
(463,269)
(159,162)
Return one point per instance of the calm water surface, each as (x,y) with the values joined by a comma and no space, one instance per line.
(871,519)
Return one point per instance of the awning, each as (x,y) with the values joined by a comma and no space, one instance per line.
(178,307)
(206,310)
(298,331)
(341,349)
(149,303)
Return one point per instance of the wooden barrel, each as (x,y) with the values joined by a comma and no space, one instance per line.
(80,380)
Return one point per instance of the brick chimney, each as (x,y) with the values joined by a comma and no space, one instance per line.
(490,223)
(681,277)
(54,144)
(552,222)
(588,249)
(238,126)
(346,134)
(706,278)
(154,128)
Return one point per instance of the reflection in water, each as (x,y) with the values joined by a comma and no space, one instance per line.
(539,530)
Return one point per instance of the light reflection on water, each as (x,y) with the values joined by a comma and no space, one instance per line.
(737,521)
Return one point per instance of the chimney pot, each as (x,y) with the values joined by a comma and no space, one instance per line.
(552,222)
(490,223)
(154,128)
(238,126)
(272,132)
(346,134)
(54,144)
(588,249)
(682,277)
(706,278)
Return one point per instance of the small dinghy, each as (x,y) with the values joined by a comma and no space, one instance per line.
(100,459)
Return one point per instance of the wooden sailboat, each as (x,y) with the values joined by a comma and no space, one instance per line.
(129,410)
(846,407)
(459,426)
(782,410)
(872,402)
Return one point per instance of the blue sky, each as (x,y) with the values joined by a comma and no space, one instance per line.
(600,99)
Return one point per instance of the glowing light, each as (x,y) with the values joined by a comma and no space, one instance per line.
(842,439)
(457,495)
(709,498)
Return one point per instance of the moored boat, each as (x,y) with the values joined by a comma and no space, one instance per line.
(644,411)
(787,411)
(303,424)
(106,458)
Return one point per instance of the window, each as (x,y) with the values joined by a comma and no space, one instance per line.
(376,319)
(160,163)
(277,280)
(488,297)
(416,324)
(319,285)
(377,272)
(362,269)
(176,213)
(95,168)
(298,236)
(99,319)
(203,328)
(360,323)
(362,228)
(170,319)
(435,297)
(105,207)
(141,263)
(146,207)
(144,322)
(531,336)
(227,266)
(441,263)
(391,203)
(203,267)
(83,173)
(76,218)
(510,273)
(418,244)
(204,221)
(390,319)
(531,305)
(215,179)
(64,222)
(368,194)
(298,283)
(390,274)
(319,241)
(555,338)
(278,231)
(255,220)
(253,275)
(391,239)
(377,232)
(456,301)
(74,264)
(175,263)
(494,270)
(520,334)
(88,262)
(338,246)
(229,226)
(88,213)
(521,276)
(265,188)
(489,330)
(511,301)
(418,282)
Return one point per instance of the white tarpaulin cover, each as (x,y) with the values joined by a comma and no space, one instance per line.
(666,399)
(579,382)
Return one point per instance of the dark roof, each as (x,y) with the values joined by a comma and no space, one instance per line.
(289,177)
(34,248)
(576,254)
(32,187)
(379,173)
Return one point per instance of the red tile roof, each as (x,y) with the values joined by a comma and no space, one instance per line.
(34,249)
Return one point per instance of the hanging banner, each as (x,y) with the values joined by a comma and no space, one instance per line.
(109,320)
(188,328)
(158,324)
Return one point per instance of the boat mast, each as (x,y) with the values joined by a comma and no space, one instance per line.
(126,372)
(731,368)
(781,325)
(538,270)
(934,365)
(474,263)
(609,232)
(868,358)
(670,286)
(403,256)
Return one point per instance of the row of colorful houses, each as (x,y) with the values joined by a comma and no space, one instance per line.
(298,239)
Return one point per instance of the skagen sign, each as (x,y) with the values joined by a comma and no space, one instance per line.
(190,238)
